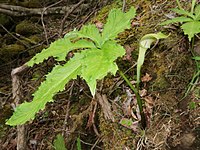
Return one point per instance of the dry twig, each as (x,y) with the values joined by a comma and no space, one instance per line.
(67,14)
(17,96)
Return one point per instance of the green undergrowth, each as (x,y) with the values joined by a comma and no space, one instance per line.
(169,64)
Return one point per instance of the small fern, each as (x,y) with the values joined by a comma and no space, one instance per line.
(93,63)
(190,20)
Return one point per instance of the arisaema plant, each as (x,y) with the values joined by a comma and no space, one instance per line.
(94,59)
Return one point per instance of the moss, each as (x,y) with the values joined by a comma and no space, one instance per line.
(28,28)
(102,14)
(114,136)
(12,49)
(30,4)
(6,21)
(7,52)
(7,39)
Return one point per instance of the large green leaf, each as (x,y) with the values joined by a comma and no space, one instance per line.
(176,20)
(59,50)
(55,82)
(93,63)
(117,21)
(90,64)
(191,28)
(98,63)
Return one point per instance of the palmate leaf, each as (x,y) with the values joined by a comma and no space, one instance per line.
(117,22)
(191,28)
(98,63)
(59,49)
(90,64)
(93,63)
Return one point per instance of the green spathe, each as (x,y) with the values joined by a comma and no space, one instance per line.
(145,43)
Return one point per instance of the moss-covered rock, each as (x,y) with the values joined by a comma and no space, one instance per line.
(28,28)
(11,50)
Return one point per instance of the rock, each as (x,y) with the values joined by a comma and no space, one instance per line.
(8,51)
(28,28)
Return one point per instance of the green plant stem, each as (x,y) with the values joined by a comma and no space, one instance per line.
(179,4)
(194,80)
(139,101)
(195,77)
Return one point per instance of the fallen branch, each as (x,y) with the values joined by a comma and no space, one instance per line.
(106,107)
(19,11)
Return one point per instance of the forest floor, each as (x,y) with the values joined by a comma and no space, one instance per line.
(173,118)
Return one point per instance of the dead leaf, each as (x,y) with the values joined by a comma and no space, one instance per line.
(146,78)
(129,50)
(149,103)
(143,92)
(134,24)
(106,107)
(92,115)
(99,25)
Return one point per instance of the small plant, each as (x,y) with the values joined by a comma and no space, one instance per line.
(59,143)
(78,144)
(190,20)
(94,60)
(145,44)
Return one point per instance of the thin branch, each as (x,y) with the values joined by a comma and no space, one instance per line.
(67,14)
(42,19)
(13,36)
(124,5)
